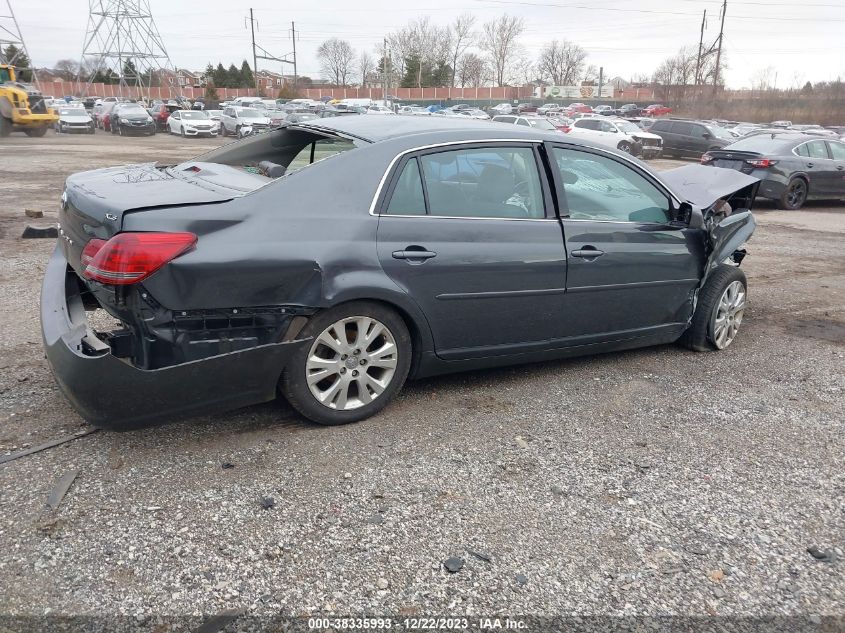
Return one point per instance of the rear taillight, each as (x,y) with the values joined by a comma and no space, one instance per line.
(565,129)
(706,158)
(761,162)
(130,257)
(91,249)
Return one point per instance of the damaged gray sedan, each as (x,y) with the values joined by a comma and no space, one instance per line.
(334,259)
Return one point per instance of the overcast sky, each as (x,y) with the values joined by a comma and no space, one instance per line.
(800,42)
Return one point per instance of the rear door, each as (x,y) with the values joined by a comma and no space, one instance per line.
(822,170)
(476,244)
(630,272)
(837,152)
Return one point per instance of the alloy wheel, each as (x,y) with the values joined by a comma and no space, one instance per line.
(351,363)
(797,193)
(729,314)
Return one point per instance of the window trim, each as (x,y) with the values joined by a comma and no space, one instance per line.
(823,141)
(674,200)
(381,200)
(830,145)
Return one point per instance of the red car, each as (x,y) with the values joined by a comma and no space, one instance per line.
(161,112)
(657,110)
(578,107)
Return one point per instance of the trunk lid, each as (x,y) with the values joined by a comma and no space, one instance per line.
(733,159)
(94,202)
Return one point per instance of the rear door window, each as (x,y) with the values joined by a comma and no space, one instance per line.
(408,197)
(802,150)
(684,129)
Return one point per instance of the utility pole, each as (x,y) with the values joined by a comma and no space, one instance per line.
(601,78)
(384,71)
(700,47)
(254,54)
(293,37)
(719,50)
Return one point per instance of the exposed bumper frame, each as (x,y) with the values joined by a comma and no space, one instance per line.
(112,393)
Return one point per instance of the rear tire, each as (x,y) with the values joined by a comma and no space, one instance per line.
(717,307)
(38,131)
(385,373)
(795,195)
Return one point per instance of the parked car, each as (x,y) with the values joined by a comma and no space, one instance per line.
(548,108)
(192,123)
(526,108)
(629,110)
(782,124)
(689,138)
(74,119)
(414,111)
(538,122)
(618,134)
(101,114)
(475,113)
(131,118)
(336,111)
(161,112)
(367,265)
(502,108)
(792,167)
(604,110)
(379,109)
(578,107)
(235,118)
(301,117)
(656,109)
(744,128)
(215,115)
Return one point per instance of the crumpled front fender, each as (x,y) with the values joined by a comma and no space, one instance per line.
(726,237)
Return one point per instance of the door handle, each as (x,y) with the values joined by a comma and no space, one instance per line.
(840,167)
(588,252)
(412,254)
(811,164)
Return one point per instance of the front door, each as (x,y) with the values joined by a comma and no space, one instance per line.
(631,272)
(837,152)
(466,233)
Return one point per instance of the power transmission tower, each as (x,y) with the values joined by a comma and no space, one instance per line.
(265,54)
(122,37)
(10,33)
(700,51)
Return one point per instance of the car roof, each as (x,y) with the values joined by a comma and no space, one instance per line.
(376,129)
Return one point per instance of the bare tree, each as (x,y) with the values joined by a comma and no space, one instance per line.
(337,60)
(499,39)
(366,65)
(472,71)
(462,37)
(562,63)
(67,69)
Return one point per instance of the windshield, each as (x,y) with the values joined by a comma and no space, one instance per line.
(718,132)
(132,110)
(628,127)
(250,113)
(541,124)
(194,114)
(73,112)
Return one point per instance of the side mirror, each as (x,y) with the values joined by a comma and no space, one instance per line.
(707,135)
(696,217)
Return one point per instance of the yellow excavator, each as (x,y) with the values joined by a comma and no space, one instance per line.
(22,106)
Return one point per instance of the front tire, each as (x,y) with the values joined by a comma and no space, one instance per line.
(183,132)
(625,147)
(358,361)
(718,315)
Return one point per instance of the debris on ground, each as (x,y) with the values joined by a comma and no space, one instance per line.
(453,564)
(41,447)
(826,556)
(268,502)
(60,489)
(33,213)
(39,232)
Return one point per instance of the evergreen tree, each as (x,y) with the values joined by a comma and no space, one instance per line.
(22,63)
(233,77)
(220,77)
(247,78)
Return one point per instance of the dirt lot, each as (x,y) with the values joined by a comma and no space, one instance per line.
(653,482)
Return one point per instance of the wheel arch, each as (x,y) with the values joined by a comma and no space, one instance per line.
(401,303)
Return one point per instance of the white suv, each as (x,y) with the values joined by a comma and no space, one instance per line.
(618,134)
(234,119)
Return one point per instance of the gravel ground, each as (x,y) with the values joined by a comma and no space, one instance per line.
(654,482)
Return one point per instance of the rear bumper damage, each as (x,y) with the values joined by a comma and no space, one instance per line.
(112,393)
